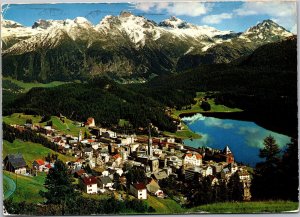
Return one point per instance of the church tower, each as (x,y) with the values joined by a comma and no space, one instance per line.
(229,158)
(150,151)
(80,136)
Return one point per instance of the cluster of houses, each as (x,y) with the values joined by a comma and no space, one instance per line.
(112,155)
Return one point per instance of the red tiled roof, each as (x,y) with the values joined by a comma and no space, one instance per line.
(89,120)
(40,162)
(189,155)
(198,156)
(48,166)
(91,140)
(57,139)
(89,180)
(80,172)
(139,186)
(116,156)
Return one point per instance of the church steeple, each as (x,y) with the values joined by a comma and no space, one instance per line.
(227,150)
(150,151)
(80,136)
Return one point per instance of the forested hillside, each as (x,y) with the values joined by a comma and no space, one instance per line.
(264,87)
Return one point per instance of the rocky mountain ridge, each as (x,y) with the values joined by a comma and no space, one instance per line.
(124,46)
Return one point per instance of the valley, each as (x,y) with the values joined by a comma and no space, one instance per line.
(138,115)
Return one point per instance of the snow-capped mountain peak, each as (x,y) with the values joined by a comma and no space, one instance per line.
(10,24)
(266,28)
(176,23)
(137,28)
(68,23)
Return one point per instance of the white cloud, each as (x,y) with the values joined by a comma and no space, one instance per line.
(254,136)
(194,118)
(216,18)
(215,122)
(283,13)
(192,9)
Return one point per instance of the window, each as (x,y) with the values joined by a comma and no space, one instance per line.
(90,185)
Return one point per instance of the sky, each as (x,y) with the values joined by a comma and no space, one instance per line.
(235,16)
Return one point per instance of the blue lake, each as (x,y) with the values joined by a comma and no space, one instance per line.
(244,138)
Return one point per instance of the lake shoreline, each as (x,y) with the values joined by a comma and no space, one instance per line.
(235,129)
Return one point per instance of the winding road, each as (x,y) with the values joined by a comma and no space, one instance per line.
(9,186)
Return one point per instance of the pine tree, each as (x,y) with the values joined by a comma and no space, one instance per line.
(60,190)
(266,182)
(270,151)
(290,172)
(235,188)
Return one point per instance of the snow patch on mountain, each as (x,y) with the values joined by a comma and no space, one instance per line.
(263,30)
(189,50)
(137,28)
(10,28)
(183,29)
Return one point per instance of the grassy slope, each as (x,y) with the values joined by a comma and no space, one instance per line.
(186,132)
(69,127)
(27,86)
(197,109)
(164,206)
(9,187)
(248,207)
(30,151)
(27,187)
(19,118)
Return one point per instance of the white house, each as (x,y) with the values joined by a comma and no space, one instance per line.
(139,190)
(15,163)
(207,170)
(88,152)
(90,122)
(119,171)
(89,184)
(95,145)
(171,140)
(244,175)
(38,164)
(194,159)
(128,140)
(117,158)
(105,173)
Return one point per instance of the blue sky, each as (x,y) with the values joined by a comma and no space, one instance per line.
(236,16)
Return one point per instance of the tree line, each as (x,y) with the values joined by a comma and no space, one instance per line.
(10,134)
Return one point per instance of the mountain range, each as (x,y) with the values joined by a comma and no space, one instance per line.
(124,47)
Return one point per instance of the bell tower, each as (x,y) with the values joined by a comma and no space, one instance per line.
(150,151)
(80,136)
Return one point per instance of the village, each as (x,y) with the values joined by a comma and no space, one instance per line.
(104,157)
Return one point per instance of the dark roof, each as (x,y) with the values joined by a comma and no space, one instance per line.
(89,180)
(105,180)
(88,149)
(160,175)
(139,186)
(16,160)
